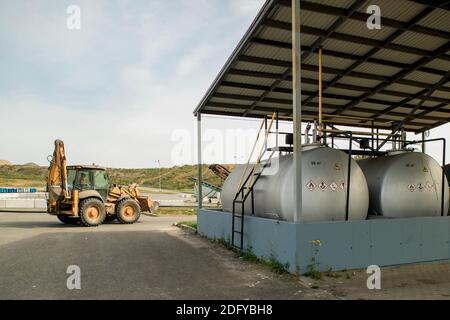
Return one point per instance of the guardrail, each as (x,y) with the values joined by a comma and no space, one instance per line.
(18,190)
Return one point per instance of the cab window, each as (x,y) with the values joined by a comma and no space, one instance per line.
(71,178)
(83,181)
(101,180)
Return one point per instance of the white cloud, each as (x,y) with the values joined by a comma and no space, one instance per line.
(246,7)
(193,60)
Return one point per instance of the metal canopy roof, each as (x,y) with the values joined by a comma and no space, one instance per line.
(369,75)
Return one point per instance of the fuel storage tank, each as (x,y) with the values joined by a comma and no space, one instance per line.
(324,188)
(405,184)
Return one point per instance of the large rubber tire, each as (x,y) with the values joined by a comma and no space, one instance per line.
(110,218)
(92,212)
(68,220)
(128,211)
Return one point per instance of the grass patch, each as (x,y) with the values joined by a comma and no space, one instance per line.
(314,274)
(248,256)
(176,211)
(192,224)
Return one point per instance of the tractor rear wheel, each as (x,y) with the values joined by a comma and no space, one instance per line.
(92,212)
(68,220)
(128,211)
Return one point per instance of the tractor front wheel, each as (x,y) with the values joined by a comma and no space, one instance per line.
(128,211)
(92,212)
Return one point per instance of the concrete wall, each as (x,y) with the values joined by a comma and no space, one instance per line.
(19,201)
(337,245)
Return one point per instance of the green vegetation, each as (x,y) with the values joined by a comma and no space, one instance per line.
(176,211)
(176,178)
(22,176)
(192,224)
(313,273)
(248,255)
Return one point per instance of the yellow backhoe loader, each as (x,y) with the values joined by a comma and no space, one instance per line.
(85,194)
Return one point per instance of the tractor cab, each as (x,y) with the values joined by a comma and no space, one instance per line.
(86,178)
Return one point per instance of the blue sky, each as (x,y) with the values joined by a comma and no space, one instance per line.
(116,89)
(120,89)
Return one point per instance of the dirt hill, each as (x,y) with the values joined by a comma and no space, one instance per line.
(5,163)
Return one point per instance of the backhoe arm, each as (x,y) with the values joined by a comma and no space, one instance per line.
(57,177)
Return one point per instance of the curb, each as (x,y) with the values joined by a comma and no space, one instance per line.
(186,228)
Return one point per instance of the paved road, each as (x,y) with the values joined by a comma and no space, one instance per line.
(149,260)
(154,260)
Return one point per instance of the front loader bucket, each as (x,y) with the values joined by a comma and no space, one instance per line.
(148,205)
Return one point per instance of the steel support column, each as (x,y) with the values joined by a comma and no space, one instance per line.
(297,109)
(200,163)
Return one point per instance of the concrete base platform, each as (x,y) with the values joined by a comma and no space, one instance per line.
(336,245)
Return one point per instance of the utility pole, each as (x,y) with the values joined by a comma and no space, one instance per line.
(159,174)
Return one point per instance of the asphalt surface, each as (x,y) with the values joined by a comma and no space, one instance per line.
(155,260)
(149,260)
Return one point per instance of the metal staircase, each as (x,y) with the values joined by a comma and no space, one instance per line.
(247,186)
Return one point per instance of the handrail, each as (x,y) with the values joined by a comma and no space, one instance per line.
(267,133)
(262,151)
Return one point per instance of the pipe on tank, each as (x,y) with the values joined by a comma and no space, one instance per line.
(308,128)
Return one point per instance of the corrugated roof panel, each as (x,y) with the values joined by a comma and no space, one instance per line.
(315,75)
(388,95)
(232,101)
(421,41)
(403,88)
(280,95)
(359,29)
(396,56)
(288,85)
(389,98)
(259,67)
(438,19)
(240,91)
(250,80)
(278,35)
(261,51)
(338,102)
(424,77)
(347,47)
(373,106)
(441,114)
(427,103)
(226,109)
(331,62)
(335,3)
(441,94)
(359,82)
(401,10)
(439,64)
(430,122)
(351,93)
(373,68)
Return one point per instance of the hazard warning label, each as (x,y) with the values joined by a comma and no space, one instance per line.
(412,188)
(323,185)
(421,187)
(334,186)
(311,186)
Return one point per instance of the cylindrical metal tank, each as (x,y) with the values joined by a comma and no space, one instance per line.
(405,184)
(447,172)
(324,176)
